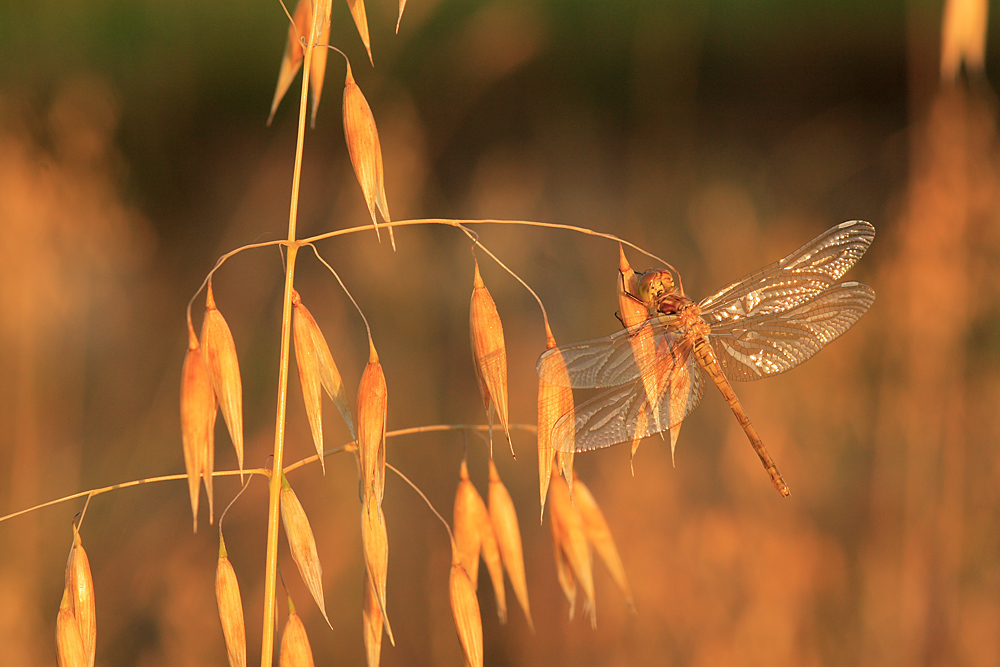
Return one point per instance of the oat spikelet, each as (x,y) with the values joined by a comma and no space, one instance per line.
(372,411)
(570,539)
(465,611)
(295,648)
(599,535)
(357,8)
(554,401)
(302,544)
(198,411)
(317,369)
(69,645)
(372,620)
(80,584)
(466,526)
(227,594)
(365,151)
(375,544)
(489,354)
(219,354)
(291,61)
(508,533)
(402,6)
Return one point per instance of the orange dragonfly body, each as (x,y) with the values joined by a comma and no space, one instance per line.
(766,323)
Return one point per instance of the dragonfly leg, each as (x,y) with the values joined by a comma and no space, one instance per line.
(706,358)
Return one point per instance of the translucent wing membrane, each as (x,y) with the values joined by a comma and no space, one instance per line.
(623,413)
(609,361)
(770,343)
(794,280)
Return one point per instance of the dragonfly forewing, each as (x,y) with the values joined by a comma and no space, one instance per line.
(794,280)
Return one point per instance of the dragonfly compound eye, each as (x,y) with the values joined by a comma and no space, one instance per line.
(654,284)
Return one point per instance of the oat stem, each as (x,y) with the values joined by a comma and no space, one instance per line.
(342,286)
(273,508)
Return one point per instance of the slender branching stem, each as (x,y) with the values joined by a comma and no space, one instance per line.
(343,287)
(451,535)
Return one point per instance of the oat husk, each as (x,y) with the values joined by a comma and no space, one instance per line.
(372,411)
(295,648)
(554,401)
(570,540)
(599,535)
(465,611)
(365,150)
(302,544)
(489,354)
(219,354)
(508,535)
(80,584)
(227,594)
(198,411)
(69,645)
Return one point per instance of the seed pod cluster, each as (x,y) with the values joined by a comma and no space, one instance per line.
(292,58)
(577,526)
(475,537)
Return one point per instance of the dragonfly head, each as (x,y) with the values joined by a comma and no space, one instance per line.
(654,285)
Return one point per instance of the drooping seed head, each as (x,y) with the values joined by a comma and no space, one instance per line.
(295,648)
(69,645)
(363,146)
(198,412)
(508,534)
(375,545)
(372,412)
(227,594)
(554,401)
(489,353)
(219,354)
(80,584)
(302,544)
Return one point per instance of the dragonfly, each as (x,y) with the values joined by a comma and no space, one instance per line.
(653,374)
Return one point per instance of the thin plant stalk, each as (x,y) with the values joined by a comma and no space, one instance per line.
(274,495)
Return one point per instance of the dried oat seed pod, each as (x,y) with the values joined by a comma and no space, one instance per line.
(365,151)
(357,8)
(198,412)
(291,61)
(489,353)
(372,411)
(69,645)
(80,584)
(508,534)
(375,544)
(295,648)
(554,401)
(302,544)
(227,594)
(219,354)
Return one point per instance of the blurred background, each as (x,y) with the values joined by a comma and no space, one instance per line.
(720,136)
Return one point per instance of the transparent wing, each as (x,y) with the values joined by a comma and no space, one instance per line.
(611,361)
(771,343)
(794,280)
(623,413)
